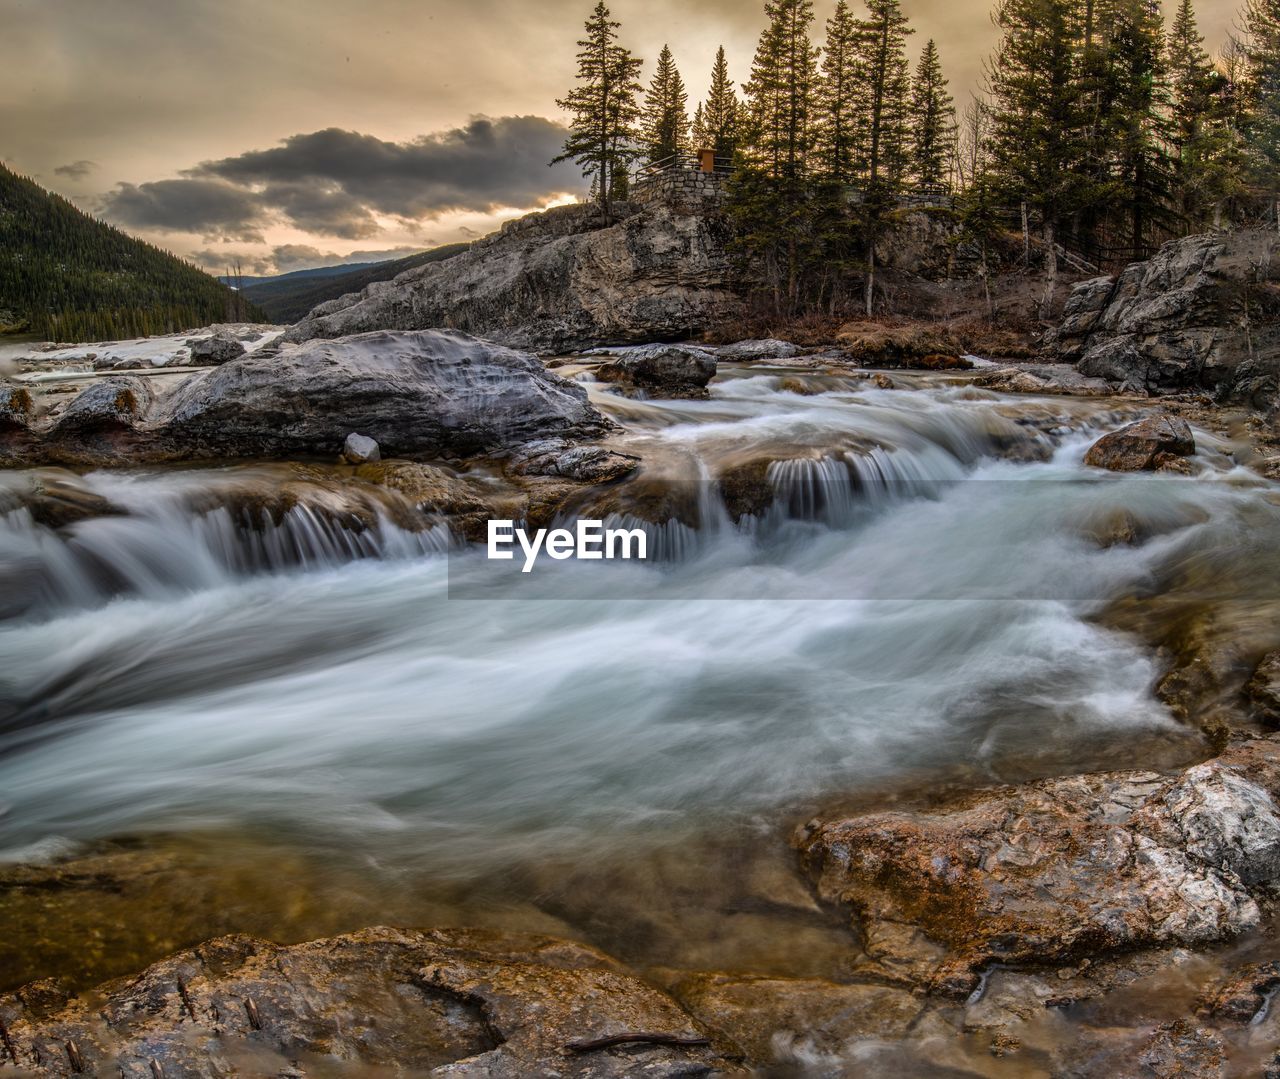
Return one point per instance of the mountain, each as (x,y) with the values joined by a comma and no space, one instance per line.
(66,276)
(299,275)
(291,296)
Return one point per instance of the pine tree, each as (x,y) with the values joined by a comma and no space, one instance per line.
(602,133)
(769,198)
(720,117)
(1193,87)
(665,121)
(1137,131)
(1262,53)
(1038,133)
(701,139)
(883,43)
(933,121)
(840,102)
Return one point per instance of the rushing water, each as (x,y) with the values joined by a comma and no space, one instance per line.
(918,604)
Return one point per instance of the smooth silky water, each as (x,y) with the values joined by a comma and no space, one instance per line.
(307,729)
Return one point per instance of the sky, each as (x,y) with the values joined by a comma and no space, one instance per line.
(285,134)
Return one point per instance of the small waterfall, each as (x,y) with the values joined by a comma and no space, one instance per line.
(173,548)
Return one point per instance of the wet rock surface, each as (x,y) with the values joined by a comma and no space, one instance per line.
(1202,314)
(1051,872)
(448,1002)
(1155,442)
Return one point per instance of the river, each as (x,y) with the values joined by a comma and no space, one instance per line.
(348,727)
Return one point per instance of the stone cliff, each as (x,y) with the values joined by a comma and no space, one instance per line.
(1202,314)
(559,280)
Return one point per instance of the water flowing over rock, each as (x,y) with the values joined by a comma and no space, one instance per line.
(1202,314)
(558,281)
(1057,870)
(1155,442)
(427,393)
(450,1002)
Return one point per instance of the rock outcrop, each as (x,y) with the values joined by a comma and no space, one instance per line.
(1056,871)
(662,370)
(1155,442)
(1202,315)
(215,349)
(450,1002)
(428,393)
(558,281)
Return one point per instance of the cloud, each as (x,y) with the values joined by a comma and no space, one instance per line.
(76,170)
(339,183)
(285,258)
(213,208)
(332,177)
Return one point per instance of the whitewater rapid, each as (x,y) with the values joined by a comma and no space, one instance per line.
(914,604)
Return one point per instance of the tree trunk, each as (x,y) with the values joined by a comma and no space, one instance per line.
(1026,238)
(1051,282)
(986,282)
(871,275)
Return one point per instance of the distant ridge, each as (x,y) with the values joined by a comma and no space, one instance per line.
(289,297)
(66,276)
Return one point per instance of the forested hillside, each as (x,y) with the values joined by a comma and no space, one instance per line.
(289,298)
(66,276)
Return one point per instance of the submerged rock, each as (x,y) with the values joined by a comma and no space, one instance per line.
(216,349)
(664,370)
(1202,314)
(772,1018)
(453,1002)
(1145,445)
(1263,689)
(1050,872)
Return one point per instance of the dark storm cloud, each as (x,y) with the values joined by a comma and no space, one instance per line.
(213,208)
(334,182)
(330,175)
(76,170)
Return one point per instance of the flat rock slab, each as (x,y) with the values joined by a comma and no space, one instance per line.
(441,1002)
(1048,872)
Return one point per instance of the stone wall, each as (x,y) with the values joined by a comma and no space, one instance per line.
(687,190)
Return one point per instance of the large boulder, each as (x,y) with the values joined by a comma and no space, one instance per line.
(663,370)
(451,1002)
(1056,871)
(767,348)
(216,349)
(1202,314)
(429,393)
(558,281)
(1145,445)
